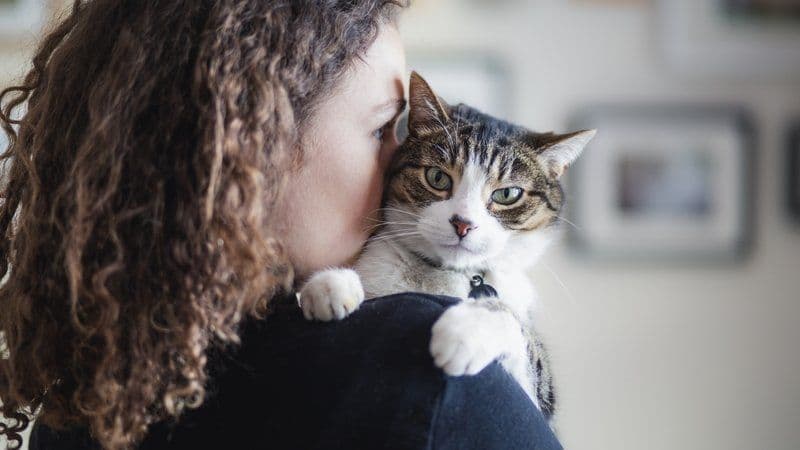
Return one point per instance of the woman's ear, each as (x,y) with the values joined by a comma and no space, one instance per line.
(562,150)
(427,112)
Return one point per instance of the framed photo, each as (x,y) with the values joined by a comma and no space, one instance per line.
(793,185)
(18,17)
(731,39)
(663,183)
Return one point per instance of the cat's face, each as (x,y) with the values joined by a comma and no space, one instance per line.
(466,188)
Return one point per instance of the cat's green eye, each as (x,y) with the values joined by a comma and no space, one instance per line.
(507,196)
(438,179)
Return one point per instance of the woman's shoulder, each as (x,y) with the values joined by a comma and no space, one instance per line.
(373,382)
(407,306)
(395,316)
(393,330)
(364,382)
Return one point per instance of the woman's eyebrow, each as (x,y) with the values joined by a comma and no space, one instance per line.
(395,106)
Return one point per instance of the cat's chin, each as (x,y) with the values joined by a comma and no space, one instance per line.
(459,256)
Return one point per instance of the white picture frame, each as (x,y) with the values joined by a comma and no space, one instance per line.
(693,196)
(699,40)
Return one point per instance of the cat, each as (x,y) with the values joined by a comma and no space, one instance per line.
(470,201)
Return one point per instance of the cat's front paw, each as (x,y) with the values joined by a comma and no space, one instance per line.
(331,294)
(465,339)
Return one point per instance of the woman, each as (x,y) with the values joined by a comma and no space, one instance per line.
(181,166)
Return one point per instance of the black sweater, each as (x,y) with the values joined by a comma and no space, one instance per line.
(365,382)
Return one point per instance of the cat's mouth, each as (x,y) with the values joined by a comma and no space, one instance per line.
(460,247)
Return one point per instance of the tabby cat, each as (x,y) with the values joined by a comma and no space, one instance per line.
(469,197)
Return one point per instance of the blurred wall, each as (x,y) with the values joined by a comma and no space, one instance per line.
(648,356)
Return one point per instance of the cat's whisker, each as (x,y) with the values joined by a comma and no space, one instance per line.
(396,233)
(394,222)
(398,237)
(378,223)
(389,208)
(421,222)
(400,228)
(406,236)
(405,226)
(380,212)
(577,228)
(450,139)
(409,223)
(373,227)
(563,285)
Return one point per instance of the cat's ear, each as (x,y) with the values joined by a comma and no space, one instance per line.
(558,151)
(426,112)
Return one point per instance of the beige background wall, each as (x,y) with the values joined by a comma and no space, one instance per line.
(647,356)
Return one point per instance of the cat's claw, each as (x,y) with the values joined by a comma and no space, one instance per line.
(331,294)
(465,340)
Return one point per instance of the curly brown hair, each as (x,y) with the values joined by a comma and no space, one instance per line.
(136,201)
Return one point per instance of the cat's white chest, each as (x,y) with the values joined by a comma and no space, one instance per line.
(384,271)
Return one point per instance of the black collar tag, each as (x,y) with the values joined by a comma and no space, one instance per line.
(480,289)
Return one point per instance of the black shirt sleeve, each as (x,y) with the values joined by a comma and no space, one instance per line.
(488,411)
(365,382)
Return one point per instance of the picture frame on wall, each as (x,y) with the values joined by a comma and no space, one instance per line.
(731,39)
(793,172)
(21,17)
(663,182)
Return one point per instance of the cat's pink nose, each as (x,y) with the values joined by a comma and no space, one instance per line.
(461,225)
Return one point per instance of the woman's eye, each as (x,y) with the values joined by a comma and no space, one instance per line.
(507,196)
(380,133)
(438,179)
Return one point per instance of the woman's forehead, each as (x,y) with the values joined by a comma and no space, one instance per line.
(379,76)
(371,89)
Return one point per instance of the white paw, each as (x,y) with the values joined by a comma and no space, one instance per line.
(466,338)
(331,294)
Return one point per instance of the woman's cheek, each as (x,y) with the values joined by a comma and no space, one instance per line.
(364,180)
(369,190)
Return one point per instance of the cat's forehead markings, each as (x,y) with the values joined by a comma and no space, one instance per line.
(473,159)
(473,179)
(505,165)
(443,152)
